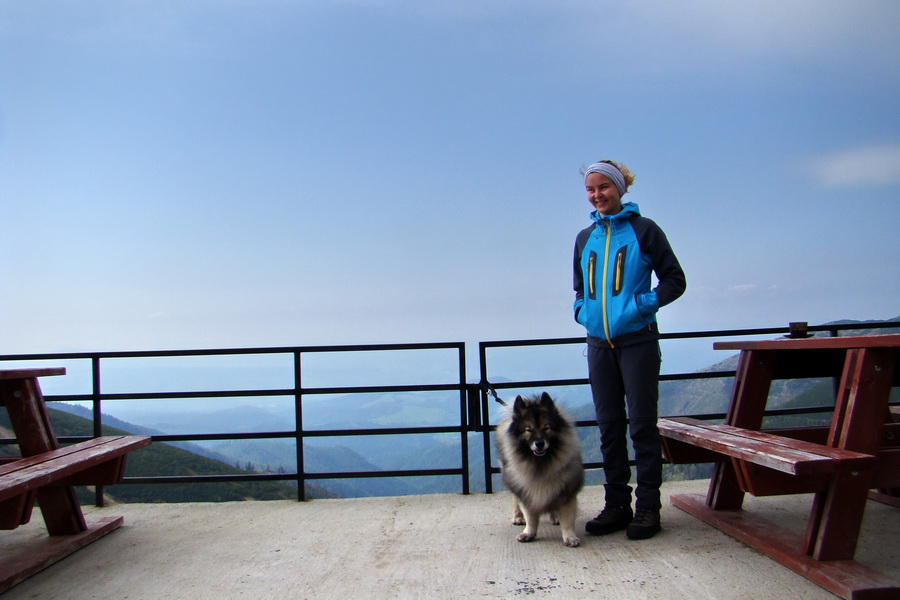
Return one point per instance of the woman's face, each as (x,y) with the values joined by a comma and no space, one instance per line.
(602,194)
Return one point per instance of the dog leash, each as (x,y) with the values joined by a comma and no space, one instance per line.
(486,387)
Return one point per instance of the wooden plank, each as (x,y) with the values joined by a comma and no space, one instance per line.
(43,470)
(848,579)
(31,373)
(775,452)
(815,434)
(684,453)
(746,406)
(865,388)
(28,415)
(890,434)
(752,381)
(890,499)
(30,461)
(845,342)
(16,511)
(34,434)
(862,401)
(38,557)
(110,472)
(762,481)
(836,516)
(790,444)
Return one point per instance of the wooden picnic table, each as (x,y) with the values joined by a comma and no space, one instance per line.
(47,472)
(859,451)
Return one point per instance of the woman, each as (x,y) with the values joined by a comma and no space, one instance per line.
(614,259)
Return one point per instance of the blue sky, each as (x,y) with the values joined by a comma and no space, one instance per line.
(265,173)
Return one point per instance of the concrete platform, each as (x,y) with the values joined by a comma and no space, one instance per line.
(438,546)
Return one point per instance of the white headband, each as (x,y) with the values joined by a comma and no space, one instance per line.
(614,174)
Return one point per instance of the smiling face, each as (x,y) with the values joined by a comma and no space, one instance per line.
(602,194)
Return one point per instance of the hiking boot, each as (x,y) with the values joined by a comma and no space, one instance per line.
(613,518)
(644,526)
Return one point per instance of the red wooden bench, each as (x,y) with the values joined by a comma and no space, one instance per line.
(865,368)
(100,461)
(765,463)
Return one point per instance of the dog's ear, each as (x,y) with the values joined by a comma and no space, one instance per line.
(519,404)
(546,400)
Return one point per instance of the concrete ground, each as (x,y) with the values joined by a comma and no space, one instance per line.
(437,546)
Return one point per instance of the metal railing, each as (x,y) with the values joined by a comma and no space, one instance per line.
(487,388)
(97,398)
(474,401)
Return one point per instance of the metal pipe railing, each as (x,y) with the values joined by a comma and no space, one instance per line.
(97,397)
(473,413)
(486,387)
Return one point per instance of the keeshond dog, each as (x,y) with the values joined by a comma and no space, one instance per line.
(540,459)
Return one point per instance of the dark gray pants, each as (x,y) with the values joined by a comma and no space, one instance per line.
(628,378)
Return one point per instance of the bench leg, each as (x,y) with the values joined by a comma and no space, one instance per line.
(724,492)
(860,406)
(836,517)
(16,511)
(748,401)
(61,510)
(34,432)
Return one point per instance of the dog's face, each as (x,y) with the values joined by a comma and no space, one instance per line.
(536,423)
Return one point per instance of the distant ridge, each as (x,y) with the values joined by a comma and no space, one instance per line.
(111,421)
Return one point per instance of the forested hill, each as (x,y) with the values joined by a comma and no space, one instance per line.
(160,459)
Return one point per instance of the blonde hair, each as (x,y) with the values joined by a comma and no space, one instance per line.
(625,171)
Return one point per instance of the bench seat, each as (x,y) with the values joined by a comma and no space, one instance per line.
(796,457)
(768,463)
(99,461)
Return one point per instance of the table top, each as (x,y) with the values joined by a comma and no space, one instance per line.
(824,343)
(29,373)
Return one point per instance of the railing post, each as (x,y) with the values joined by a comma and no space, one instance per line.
(485,420)
(298,425)
(97,417)
(463,419)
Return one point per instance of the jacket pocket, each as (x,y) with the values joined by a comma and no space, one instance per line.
(647,303)
(619,271)
(592,275)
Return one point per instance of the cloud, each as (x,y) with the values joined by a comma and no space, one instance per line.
(731,292)
(870,165)
(803,27)
(750,41)
(742,289)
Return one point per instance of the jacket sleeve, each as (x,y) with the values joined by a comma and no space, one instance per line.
(672,282)
(578,276)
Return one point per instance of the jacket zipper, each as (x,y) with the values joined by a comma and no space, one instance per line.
(606,283)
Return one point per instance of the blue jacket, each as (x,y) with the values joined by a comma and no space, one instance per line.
(614,259)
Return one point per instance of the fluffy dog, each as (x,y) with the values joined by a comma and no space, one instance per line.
(540,459)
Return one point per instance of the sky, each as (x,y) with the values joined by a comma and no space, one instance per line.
(245,173)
